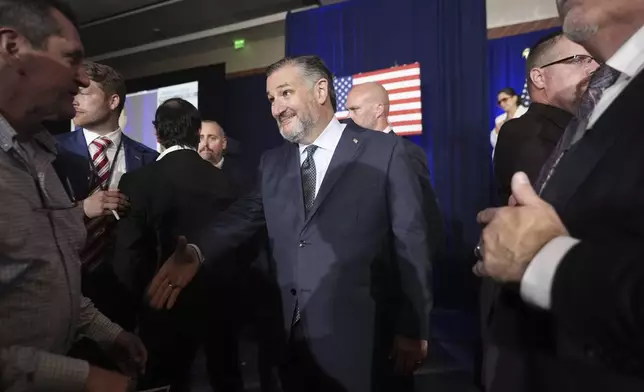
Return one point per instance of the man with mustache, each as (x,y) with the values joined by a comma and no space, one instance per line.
(575,248)
(345,218)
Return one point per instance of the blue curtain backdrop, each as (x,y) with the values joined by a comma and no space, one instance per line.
(448,38)
(507,65)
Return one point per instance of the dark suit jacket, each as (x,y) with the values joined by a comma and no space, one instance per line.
(73,160)
(367,218)
(525,143)
(172,196)
(593,338)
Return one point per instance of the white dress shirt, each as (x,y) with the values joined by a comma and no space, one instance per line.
(173,149)
(389,129)
(219,165)
(536,285)
(326,142)
(119,167)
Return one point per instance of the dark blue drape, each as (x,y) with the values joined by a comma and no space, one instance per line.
(507,65)
(448,38)
(248,119)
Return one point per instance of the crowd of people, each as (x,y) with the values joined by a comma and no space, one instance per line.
(118,263)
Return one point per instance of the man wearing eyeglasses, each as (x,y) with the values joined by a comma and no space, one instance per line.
(558,73)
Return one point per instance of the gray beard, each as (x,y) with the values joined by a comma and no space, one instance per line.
(579,33)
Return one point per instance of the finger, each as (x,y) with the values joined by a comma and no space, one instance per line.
(523,191)
(110,206)
(486,216)
(173,297)
(182,245)
(159,278)
(162,296)
(512,202)
(113,193)
(409,366)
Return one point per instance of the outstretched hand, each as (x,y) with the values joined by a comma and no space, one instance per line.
(174,275)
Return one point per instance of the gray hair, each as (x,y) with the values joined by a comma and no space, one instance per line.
(313,69)
(33,18)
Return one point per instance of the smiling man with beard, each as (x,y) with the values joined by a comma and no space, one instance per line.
(345,219)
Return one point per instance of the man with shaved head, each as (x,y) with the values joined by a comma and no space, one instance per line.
(368,106)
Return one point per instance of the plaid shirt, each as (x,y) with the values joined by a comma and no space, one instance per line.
(42,310)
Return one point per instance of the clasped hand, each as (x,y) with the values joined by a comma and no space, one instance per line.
(514,235)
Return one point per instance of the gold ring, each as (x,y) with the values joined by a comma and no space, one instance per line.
(170,285)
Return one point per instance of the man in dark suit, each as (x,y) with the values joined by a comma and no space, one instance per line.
(179,192)
(558,71)
(575,252)
(345,221)
(368,106)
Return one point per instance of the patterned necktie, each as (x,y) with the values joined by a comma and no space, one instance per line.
(94,249)
(603,78)
(308,178)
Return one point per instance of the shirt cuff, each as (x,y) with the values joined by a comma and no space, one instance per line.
(198,252)
(58,373)
(102,330)
(536,284)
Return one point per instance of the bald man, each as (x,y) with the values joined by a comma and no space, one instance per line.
(368,106)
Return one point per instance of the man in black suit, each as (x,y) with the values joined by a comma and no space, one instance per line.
(575,252)
(557,71)
(344,212)
(177,193)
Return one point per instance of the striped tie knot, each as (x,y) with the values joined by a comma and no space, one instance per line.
(102,143)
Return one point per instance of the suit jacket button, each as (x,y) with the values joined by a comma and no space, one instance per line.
(293,292)
(302,244)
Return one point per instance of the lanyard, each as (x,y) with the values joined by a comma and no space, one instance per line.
(112,166)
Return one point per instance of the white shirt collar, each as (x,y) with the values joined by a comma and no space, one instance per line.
(114,136)
(629,58)
(220,164)
(173,149)
(389,129)
(329,138)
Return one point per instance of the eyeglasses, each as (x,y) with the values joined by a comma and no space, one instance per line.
(578,59)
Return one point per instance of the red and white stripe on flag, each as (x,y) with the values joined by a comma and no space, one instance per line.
(403,85)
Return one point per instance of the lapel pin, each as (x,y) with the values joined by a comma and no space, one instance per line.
(355,140)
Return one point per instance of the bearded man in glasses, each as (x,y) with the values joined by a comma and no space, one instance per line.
(558,72)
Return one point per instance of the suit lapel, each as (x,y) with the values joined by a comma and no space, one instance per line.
(78,144)
(342,157)
(578,163)
(133,155)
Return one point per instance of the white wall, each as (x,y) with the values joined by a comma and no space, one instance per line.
(261,53)
(509,12)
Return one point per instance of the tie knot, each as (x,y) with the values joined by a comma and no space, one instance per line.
(102,142)
(310,150)
(604,77)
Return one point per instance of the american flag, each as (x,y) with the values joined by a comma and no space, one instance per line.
(525,96)
(403,85)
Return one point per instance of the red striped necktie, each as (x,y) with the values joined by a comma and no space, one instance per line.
(94,251)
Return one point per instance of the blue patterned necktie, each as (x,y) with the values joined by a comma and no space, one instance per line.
(603,78)
(308,178)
